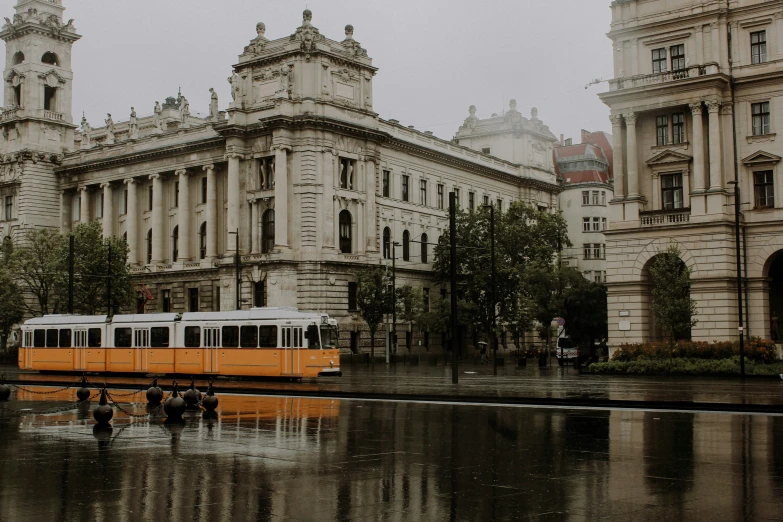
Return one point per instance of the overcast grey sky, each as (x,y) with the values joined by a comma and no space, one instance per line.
(435,57)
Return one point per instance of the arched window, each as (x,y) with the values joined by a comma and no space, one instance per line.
(345,232)
(18,58)
(202,241)
(406,246)
(424,247)
(268,231)
(175,244)
(386,243)
(149,246)
(50,58)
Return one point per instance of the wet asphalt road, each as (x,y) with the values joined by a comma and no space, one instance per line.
(294,459)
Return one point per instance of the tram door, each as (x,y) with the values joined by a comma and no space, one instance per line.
(211,346)
(141,343)
(28,350)
(292,343)
(80,349)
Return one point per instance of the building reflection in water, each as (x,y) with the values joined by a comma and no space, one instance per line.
(307,459)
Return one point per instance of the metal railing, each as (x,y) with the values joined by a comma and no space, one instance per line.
(664,77)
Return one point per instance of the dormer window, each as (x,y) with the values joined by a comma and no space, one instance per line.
(50,58)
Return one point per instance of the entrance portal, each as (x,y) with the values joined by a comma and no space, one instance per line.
(776,297)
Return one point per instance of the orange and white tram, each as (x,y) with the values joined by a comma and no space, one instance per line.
(261,342)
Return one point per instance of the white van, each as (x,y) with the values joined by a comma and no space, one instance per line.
(566,351)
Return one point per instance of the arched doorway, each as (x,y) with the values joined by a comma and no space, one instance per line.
(667,281)
(775,278)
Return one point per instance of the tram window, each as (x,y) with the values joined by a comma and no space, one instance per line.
(192,337)
(65,338)
(312,337)
(230,336)
(248,337)
(94,338)
(159,337)
(267,337)
(39,338)
(122,338)
(51,338)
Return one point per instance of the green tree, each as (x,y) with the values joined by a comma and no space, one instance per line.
(585,313)
(410,306)
(437,318)
(671,295)
(372,300)
(36,264)
(11,305)
(91,270)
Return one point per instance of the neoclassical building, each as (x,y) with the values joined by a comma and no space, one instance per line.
(677,117)
(298,181)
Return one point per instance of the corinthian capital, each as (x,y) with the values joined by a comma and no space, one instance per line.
(630,118)
(616,119)
(713,106)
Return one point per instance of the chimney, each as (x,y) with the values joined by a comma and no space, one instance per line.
(585,134)
(562,140)
(569,142)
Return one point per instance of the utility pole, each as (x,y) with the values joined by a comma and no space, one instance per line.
(71,243)
(108,286)
(494,298)
(739,276)
(453,274)
(237,265)
(394,299)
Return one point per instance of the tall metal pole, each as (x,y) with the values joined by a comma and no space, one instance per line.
(394,298)
(453,276)
(108,286)
(493,339)
(239,275)
(739,276)
(71,243)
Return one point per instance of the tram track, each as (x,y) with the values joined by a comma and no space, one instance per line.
(295,390)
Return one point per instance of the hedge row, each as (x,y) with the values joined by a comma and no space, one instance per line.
(757,350)
(686,366)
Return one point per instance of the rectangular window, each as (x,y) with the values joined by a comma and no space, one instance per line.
(166,301)
(352,301)
(267,336)
(122,338)
(758,47)
(659,60)
(176,194)
(471,201)
(678,57)
(9,208)
(149,198)
(39,339)
(51,338)
(94,338)
(230,336)
(259,294)
(596,225)
(585,198)
(386,184)
(597,276)
(597,251)
(585,224)
(248,337)
(423,191)
(440,196)
(588,251)
(203,190)
(671,191)
(662,130)
(65,338)
(159,337)
(405,187)
(99,206)
(192,337)
(486,150)
(595,197)
(761,123)
(456,196)
(500,205)
(124,202)
(603,198)
(603,223)
(764,189)
(678,128)
(193,299)
(486,200)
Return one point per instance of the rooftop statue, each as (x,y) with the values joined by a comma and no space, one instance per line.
(133,125)
(352,47)
(307,34)
(236,86)
(471,121)
(214,110)
(258,43)
(109,130)
(156,116)
(184,109)
(86,130)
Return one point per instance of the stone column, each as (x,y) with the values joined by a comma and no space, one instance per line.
(619,161)
(656,191)
(370,241)
(281,196)
(212,211)
(183,216)
(634,57)
(778,36)
(84,205)
(633,160)
(108,210)
(715,145)
(232,224)
(158,233)
(698,148)
(699,32)
(132,222)
(255,209)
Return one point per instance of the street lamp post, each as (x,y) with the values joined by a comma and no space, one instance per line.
(494,297)
(394,299)
(453,277)
(739,275)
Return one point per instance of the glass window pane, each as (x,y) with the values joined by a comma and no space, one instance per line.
(51,338)
(230,336)
(267,337)
(249,337)
(192,337)
(94,338)
(39,338)
(159,337)
(122,338)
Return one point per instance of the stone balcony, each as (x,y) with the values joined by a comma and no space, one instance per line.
(664,78)
(664,217)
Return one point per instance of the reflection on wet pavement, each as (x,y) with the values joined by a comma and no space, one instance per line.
(275,458)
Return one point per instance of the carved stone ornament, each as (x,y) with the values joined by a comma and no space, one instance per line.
(616,119)
(630,118)
(351,46)
(696,108)
(258,44)
(713,106)
(50,22)
(307,34)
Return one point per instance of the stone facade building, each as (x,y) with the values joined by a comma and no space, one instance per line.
(299,180)
(677,118)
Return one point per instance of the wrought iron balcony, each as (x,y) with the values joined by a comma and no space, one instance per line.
(665,77)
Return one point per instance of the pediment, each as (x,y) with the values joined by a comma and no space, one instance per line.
(669,157)
(54,75)
(12,74)
(761,157)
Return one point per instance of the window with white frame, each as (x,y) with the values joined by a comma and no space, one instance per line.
(603,198)
(471,201)
(764,189)
(596,224)
(758,47)
(678,128)
(406,187)
(423,191)
(386,183)
(585,197)
(595,196)
(662,130)
(586,224)
(671,191)
(440,196)
(761,118)
(99,205)
(659,60)
(9,208)
(603,223)
(678,57)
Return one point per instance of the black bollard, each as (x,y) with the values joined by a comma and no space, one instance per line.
(174,406)
(5,391)
(103,413)
(192,396)
(83,393)
(210,402)
(154,394)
